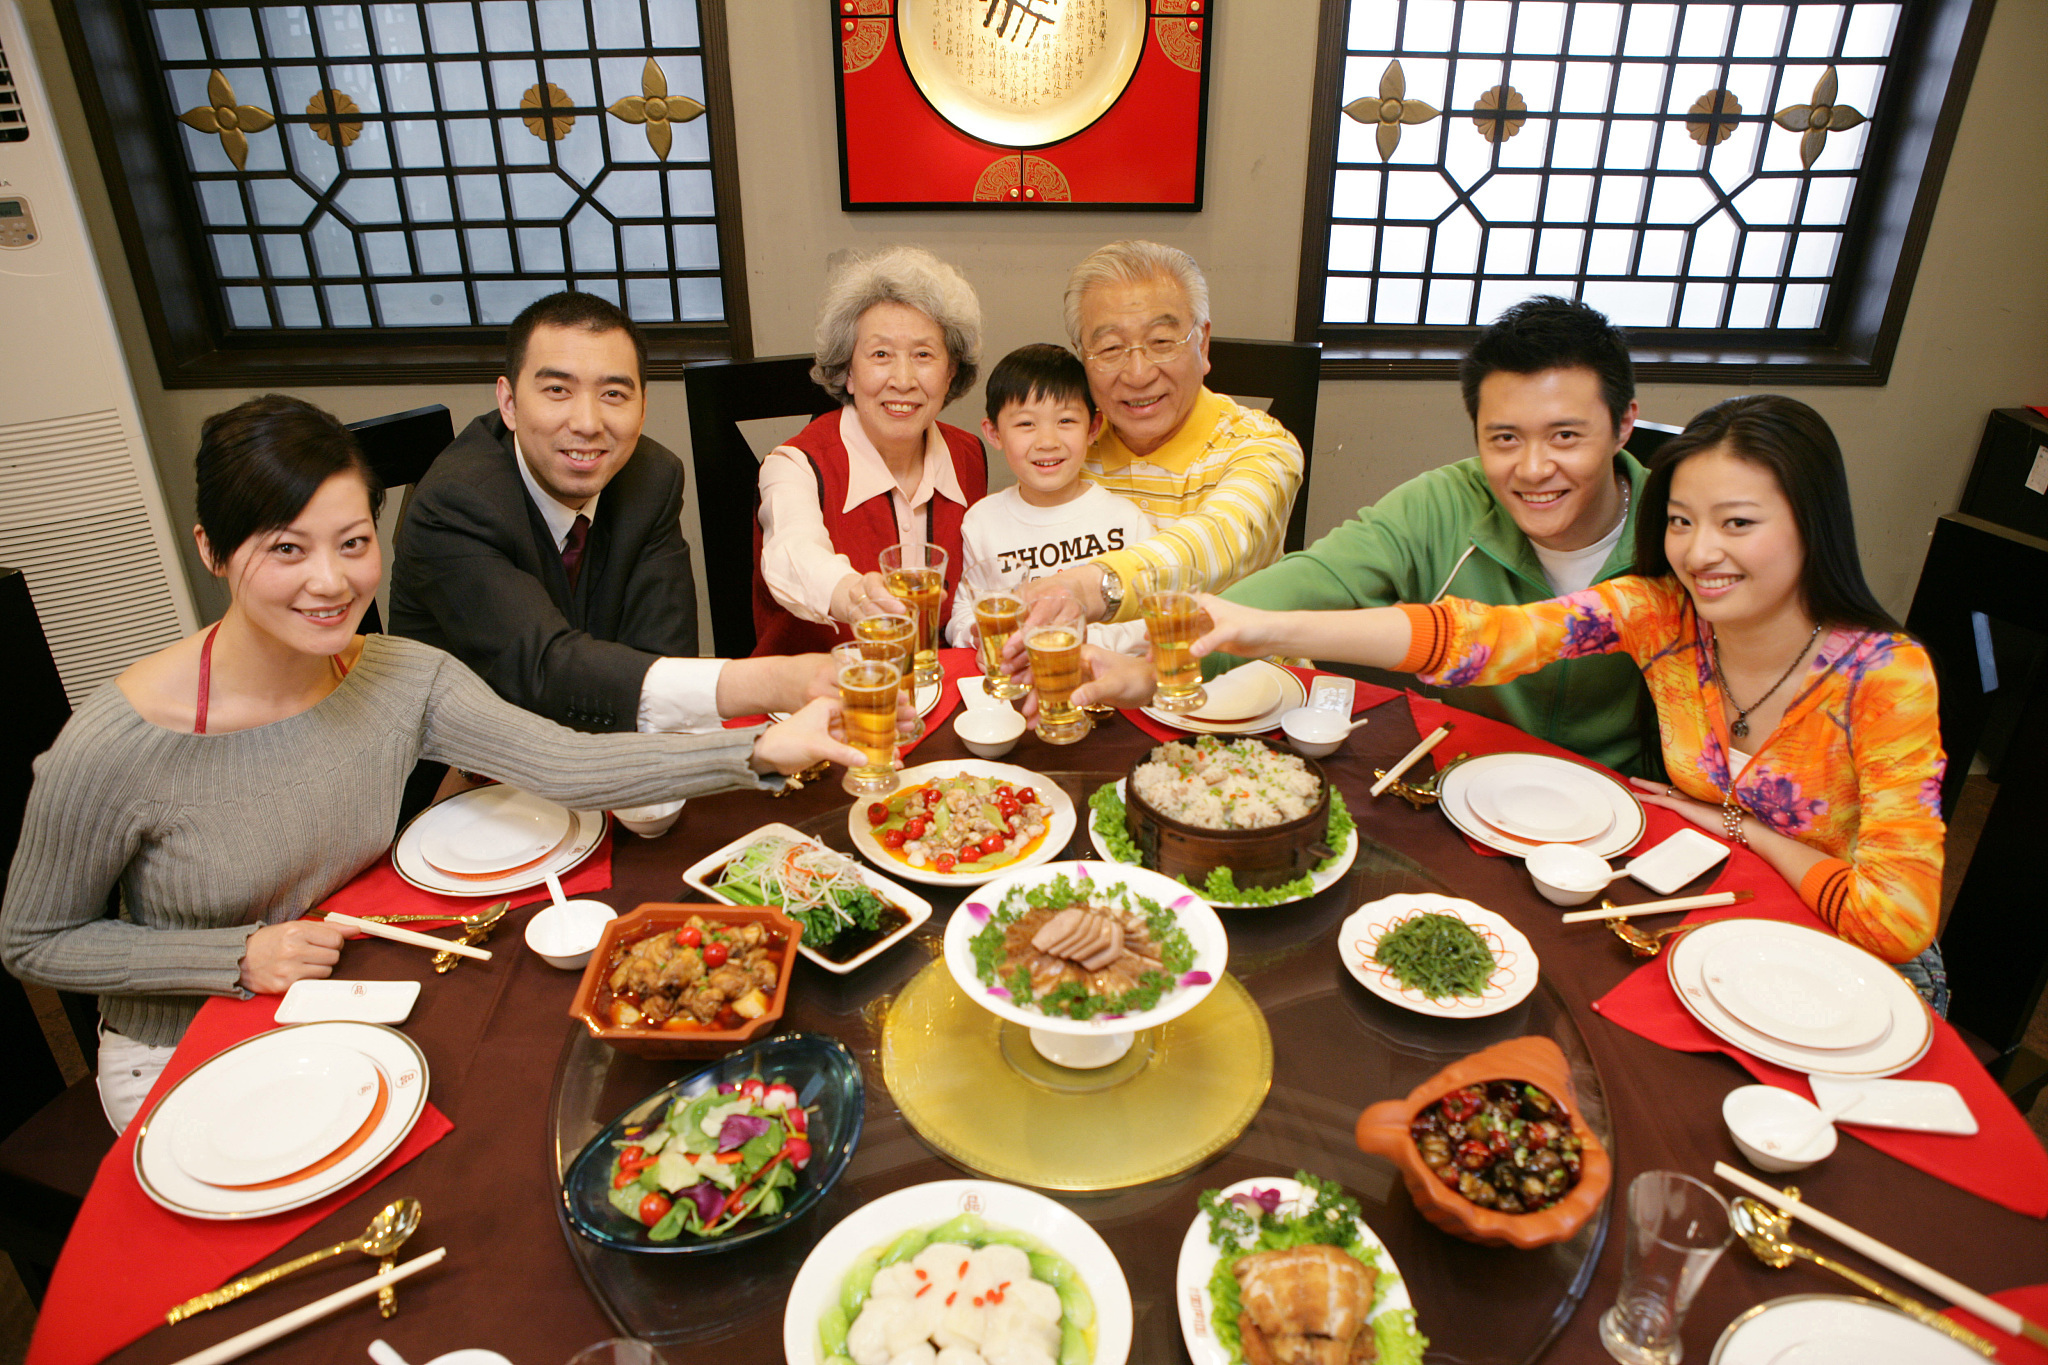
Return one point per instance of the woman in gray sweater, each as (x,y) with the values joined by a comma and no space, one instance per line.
(233,781)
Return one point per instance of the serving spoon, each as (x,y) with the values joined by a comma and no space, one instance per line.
(485,916)
(387,1232)
(1762,1230)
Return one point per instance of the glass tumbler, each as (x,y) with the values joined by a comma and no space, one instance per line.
(892,635)
(867,694)
(996,589)
(915,574)
(1677,1228)
(1053,633)
(1166,595)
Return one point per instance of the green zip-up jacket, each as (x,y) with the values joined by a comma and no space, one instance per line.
(1444,534)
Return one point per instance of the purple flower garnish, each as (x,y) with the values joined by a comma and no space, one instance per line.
(708,1198)
(740,1129)
(1106,1018)
(1081,871)
(978,910)
(1265,1201)
(1196,979)
(1185,903)
(1001,991)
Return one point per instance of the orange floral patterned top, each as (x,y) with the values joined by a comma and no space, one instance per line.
(1853,770)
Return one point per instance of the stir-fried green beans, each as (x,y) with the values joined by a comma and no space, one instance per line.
(1439,955)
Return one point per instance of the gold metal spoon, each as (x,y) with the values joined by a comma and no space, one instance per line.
(1762,1230)
(485,916)
(1645,943)
(477,931)
(387,1232)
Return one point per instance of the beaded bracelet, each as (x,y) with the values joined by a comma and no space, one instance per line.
(1731,821)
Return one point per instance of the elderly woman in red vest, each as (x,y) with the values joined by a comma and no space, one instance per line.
(899,337)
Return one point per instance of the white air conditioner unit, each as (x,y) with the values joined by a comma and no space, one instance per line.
(81,512)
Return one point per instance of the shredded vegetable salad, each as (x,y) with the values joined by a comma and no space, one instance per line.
(819,889)
(713,1161)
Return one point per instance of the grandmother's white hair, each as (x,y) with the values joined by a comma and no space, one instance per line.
(1135,262)
(908,275)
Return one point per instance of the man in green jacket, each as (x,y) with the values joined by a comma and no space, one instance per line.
(1543,510)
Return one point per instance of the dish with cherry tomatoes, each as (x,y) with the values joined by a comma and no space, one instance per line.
(964,822)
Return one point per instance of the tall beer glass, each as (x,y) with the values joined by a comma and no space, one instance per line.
(1166,595)
(868,690)
(1053,632)
(893,636)
(996,589)
(915,574)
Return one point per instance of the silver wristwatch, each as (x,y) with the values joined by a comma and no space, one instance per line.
(1112,593)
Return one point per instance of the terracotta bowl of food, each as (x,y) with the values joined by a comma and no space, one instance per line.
(1388,1129)
(650,991)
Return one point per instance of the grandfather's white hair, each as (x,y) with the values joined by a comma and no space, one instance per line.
(1134,262)
(908,275)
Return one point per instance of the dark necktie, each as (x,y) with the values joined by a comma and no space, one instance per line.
(572,548)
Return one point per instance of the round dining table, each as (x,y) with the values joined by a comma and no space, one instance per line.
(525,1086)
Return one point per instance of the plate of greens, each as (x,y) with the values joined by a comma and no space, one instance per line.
(849,914)
(1438,956)
(1113,841)
(1269,1218)
(1170,953)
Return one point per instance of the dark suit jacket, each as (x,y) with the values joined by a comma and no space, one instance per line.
(477,574)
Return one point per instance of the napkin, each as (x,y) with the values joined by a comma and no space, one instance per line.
(81,1321)
(1366,696)
(2030,1302)
(379,890)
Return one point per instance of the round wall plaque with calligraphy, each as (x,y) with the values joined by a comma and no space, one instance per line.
(1022,73)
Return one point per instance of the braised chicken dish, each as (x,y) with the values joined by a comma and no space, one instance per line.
(704,975)
(1305,1305)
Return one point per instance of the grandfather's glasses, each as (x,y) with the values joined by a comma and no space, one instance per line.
(1162,351)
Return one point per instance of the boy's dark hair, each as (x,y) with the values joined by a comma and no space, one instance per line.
(260,463)
(570,309)
(1550,333)
(1039,370)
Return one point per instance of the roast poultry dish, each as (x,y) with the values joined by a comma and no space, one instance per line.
(702,975)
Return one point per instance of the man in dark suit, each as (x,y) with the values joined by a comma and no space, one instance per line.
(544,549)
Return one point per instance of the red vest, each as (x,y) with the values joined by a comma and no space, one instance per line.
(861,533)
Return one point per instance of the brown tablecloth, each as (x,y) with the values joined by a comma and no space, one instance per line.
(493,1033)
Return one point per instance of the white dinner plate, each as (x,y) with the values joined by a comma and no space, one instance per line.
(404,1069)
(1905,1043)
(498,831)
(1198,1257)
(1824,1000)
(1627,820)
(923,1206)
(1292,693)
(1196,919)
(1244,693)
(1550,803)
(410,862)
(1059,826)
(702,873)
(265,1112)
(1321,879)
(1834,1329)
(1515,966)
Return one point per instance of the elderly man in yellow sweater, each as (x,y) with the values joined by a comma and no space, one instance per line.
(1217,478)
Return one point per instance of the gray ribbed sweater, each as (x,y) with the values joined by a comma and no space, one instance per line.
(211,837)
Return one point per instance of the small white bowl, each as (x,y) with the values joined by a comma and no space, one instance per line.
(1314,732)
(1566,874)
(1775,1129)
(989,732)
(567,934)
(650,822)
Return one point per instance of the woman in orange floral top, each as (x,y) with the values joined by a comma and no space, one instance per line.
(1766,654)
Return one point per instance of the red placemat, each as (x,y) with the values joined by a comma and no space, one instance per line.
(2030,1302)
(1364,698)
(379,890)
(164,1258)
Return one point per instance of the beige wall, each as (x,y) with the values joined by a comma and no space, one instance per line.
(1975,338)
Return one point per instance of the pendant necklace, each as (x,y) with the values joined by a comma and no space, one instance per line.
(1740,727)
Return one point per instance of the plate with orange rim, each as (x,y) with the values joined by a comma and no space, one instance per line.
(1060,824)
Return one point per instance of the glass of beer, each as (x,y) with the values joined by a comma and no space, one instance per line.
(868,689)
(1172,621)
(915,574)
(892,635)
(996,589)
(1053,632)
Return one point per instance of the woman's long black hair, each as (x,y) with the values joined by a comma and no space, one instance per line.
(1793,441)
(260,463)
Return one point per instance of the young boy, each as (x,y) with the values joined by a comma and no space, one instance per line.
(1042,417)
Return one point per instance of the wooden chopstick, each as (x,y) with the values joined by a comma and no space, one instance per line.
(1430,741)
(397,935)
(312,1312)
(1670,907)
(1927,1277)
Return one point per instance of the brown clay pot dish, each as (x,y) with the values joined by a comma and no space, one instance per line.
(1256,857)
(1383,1130)
(593,995)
